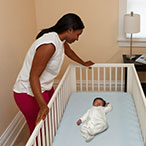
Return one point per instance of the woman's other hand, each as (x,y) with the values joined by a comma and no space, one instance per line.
(88,63)
(42,113)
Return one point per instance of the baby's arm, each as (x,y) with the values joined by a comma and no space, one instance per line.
(83,118)
(108,107)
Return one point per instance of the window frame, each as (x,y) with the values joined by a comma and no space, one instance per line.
(122,40)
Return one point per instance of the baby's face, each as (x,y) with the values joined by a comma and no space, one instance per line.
(98,102)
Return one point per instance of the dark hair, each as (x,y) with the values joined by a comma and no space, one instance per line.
(104,103)
(69,20)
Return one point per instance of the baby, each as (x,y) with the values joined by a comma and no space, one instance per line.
(94,119)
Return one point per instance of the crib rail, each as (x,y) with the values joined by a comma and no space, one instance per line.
(101,77)
(44,133)
(77,78)
(134,87)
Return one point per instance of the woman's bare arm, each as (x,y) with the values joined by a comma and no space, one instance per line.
(41,58)
(72,55)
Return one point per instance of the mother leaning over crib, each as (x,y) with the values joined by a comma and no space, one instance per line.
(34,85)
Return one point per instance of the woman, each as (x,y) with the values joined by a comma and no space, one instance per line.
(33,88)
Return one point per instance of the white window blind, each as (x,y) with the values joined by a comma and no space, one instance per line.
(139,7)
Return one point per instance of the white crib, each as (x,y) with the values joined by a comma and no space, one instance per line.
(101,77)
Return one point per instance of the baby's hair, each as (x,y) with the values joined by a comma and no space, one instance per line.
(104,103)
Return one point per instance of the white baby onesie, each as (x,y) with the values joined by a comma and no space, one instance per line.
(94,121)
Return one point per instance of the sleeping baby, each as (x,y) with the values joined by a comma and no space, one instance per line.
(94,120)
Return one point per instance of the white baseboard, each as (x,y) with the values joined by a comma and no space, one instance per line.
(11,133)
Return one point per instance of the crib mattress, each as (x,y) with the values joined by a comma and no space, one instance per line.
(123,123)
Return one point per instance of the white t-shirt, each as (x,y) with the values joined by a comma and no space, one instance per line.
(22,84)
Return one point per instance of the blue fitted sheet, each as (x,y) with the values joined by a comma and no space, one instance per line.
(123,123)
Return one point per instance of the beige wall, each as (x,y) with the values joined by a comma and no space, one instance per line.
(99,40)
(17,31)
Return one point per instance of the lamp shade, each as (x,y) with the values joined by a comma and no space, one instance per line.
(131,23)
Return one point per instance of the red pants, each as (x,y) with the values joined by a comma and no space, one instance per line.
(29,106)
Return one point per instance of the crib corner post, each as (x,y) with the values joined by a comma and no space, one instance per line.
(73,79)
(129,79)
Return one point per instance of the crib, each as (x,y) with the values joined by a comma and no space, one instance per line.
(100,78)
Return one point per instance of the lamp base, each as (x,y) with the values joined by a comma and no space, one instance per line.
(130,57)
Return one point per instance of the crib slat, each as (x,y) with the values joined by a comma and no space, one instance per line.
(47,135)
(104,73)
(43,136)
(98,78)
(121,78)
(60,109)
(50,126)
(62,104)
(57,111)
(65,94)
(115,78)
(62,95)
(39,139)
(80,79)
(52,123)
(34,144)
(54,117)
(69,89)
(49,130)
(86,79)
(110,78)
(92,79)
(54,128)
(57,114)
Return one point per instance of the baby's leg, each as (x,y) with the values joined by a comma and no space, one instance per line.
(96,129)
(84,131)
(85,134)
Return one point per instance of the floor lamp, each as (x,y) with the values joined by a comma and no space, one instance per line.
(131,25)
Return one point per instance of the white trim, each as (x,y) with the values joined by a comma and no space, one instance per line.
(11,133)
(135,43)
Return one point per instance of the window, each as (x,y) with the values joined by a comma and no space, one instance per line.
(137,6)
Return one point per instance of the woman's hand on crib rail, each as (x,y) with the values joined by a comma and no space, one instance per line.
(88,63)
(42,113)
